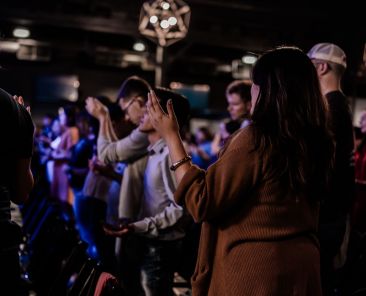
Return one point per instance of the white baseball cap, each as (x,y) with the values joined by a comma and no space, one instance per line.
(328,52)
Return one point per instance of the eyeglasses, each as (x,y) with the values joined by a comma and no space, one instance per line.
(129,104)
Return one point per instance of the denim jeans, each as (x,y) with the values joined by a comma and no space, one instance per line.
(158,267)
(156,261)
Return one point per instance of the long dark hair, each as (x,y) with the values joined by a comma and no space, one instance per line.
(290,120)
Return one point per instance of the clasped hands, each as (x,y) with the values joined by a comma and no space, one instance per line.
(96,108)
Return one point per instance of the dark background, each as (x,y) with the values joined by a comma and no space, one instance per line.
(85,38)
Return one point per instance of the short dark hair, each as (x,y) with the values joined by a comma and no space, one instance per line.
(181,105)
(337,69)
(240,87)
(133,86)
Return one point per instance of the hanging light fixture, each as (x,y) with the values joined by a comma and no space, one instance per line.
(164,21)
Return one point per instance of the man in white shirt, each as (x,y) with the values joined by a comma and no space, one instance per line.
(131,97)
(157,223)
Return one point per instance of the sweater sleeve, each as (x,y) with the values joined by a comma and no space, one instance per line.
(209,195)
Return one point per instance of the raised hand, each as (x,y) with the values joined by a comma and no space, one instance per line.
(165,124)
(20,101)
(95,108)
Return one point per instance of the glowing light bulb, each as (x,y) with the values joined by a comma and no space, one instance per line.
(164,24)
(249,59)
(153,19)
(172,21)
(165,5)
(21,33)
(139,46)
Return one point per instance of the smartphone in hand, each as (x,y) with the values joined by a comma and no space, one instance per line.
(113,227)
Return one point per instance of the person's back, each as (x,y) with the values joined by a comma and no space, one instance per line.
(330,63)
(342,182)
(259,201)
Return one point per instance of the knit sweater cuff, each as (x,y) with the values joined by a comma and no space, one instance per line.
(190,176)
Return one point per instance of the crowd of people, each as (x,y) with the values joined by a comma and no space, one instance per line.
(267,204)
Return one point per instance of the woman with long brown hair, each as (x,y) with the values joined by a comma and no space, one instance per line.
(259,202)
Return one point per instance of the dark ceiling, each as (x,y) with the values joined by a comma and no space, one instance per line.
(220,30)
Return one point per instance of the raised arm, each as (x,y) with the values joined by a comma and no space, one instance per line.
(210,194)
(110,148)
(131,147)
(167,127)
(100,112)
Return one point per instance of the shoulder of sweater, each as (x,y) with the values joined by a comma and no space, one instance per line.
(239,142)
(242,138)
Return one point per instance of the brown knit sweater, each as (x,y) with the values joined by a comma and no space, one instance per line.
(256,238)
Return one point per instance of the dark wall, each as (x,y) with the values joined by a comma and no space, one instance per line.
(20,78)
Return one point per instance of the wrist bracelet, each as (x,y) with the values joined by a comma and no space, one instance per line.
(177,164)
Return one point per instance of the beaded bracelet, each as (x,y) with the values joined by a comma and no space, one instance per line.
(177,164)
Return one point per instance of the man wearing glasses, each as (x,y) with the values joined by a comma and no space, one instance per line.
(132,97)
(132,108)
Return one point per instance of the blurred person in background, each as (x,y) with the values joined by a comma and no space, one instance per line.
(226,129)
(60,187)
(99,199)
(239,101)
(359,206)
(201,149)
(239,105)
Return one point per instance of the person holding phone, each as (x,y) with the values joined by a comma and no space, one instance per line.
(158,225)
